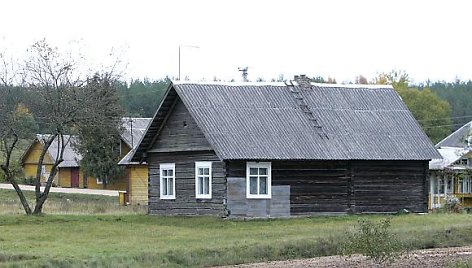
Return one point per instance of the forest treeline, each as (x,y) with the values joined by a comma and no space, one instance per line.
(440,107)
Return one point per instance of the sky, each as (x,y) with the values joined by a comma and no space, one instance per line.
(336,38)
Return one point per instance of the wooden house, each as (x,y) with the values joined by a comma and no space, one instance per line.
(283,149)
(69,174)
(453,173)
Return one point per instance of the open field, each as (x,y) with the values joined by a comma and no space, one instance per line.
(127,240)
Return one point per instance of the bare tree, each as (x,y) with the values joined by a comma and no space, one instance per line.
(62,103)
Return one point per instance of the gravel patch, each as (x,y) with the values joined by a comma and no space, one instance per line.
(438,257)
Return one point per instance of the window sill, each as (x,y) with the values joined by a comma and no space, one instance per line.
(203,197)
(167,197)
(259,197)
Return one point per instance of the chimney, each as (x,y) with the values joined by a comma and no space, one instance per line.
(303,81)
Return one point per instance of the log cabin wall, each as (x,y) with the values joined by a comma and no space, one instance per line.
(337,187)
(182,142)
(389,186)
(185,202)
(315,186)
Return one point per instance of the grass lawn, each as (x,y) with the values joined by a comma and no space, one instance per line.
(150,241)
(65,203)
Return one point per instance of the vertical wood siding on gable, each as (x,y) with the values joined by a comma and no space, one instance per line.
(185,202)
(180,133)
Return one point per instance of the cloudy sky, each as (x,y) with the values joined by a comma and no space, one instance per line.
(337,38)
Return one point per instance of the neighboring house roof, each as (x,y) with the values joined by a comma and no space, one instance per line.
(72,158)
(134,129)
(459,138)
(453,148)
(267,121)
(132,137)
(449,156)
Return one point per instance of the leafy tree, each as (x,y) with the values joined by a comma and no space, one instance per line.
(431,112)
(99,144)
(26,124)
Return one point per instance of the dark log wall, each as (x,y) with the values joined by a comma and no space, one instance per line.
(348,186)
(180,133)
(315,186)
(185,202)
(389,186)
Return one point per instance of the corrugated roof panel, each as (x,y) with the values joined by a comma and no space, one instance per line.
(266,122)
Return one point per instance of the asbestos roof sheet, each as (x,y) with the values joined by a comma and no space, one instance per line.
(133,130)
(449,156)
(459,138)
(250,121)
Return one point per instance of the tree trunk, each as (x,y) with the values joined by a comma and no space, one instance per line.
(19,192)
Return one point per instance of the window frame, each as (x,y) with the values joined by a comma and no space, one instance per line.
(166,166)
(208,165)
(258,165)
(99,181)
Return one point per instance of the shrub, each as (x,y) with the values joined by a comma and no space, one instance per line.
(373,240)
(452,204)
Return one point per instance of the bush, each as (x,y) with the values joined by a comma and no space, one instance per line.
(373,240)
(452,204)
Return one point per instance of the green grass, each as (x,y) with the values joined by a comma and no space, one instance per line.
(66,203)
(150,241)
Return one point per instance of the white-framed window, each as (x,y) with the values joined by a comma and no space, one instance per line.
(99,181)
(464,161)
(258,180)
(203,180)
(167,181)
(465,185)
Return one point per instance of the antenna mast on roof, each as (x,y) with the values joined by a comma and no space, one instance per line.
(243,71)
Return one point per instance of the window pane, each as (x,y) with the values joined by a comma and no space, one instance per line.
(441,186)
(170,186)
(164,186)
(253,171)
(200,185)
(170,172)
(200,171)
(253,185)
(206,171)
(263,171)
(164,172)
(205,185)
(262,185)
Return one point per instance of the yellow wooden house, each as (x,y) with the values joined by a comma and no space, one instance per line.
(452,175)
(134,180)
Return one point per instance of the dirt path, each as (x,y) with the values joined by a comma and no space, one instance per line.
(64,190)
(439,257)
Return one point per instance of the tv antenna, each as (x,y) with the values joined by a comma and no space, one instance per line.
(243,71)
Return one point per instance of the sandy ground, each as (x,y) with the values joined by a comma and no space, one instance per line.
(64,190)
(439,257)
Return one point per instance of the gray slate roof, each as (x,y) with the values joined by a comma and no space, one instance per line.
(458,138)
(71,158)
(264,121)
(134,129)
